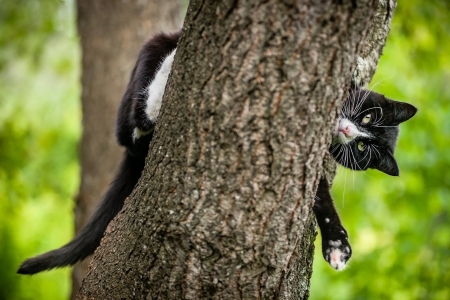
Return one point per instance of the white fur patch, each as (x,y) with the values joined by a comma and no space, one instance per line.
(155,90)
(137,133)
(337,260)
(335,243)
(353,131)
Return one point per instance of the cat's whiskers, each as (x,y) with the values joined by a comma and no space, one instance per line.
(345,155)
(346,107)
(351,103)
(370,158)
(343,192)
(378,119)
(377,152)
(340,153)
(354,102)
(359,105)
(350,156)
(338,176)
(354,159)
(353,176)
(384,126)
(367,153)
(367,110)
(366,94)
(336,146)
(377,83)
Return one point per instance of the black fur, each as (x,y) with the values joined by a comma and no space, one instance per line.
(377,153)
(132,115)
(386,115)
(329,223)
(132,108)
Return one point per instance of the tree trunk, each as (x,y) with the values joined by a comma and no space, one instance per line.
(223,208)
(111,33)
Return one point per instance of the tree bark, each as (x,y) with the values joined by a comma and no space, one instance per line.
(111,33)
(374,42)
(223,208)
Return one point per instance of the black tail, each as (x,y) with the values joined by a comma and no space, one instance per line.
(89,238)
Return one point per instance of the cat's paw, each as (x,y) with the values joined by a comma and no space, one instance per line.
(142,122)
(337,253)
(147,110)
(335,247)
(138,133)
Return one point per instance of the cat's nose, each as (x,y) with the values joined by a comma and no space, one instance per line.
(345,130)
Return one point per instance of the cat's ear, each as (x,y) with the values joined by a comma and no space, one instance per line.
(387,164)
(403,111)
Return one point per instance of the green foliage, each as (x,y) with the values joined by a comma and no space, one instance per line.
(29,24)
(39,130)
(399,227)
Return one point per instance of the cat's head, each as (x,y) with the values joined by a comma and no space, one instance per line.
(366,131)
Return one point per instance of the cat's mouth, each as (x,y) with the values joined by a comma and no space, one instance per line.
(340,138)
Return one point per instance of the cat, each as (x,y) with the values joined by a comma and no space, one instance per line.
(364,137)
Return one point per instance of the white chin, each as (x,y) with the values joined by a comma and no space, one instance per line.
(340,138)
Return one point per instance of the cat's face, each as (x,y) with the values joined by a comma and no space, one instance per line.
(366,131)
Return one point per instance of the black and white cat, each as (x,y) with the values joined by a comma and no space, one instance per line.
(364,137)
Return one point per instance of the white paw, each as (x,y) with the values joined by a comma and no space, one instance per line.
(337,256)
(337,260)
(137,133)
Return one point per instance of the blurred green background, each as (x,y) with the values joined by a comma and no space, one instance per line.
(40,117)
(398,227)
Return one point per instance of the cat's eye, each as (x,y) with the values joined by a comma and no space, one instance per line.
(361,146)
(366,119)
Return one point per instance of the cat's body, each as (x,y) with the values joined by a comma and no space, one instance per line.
(137,116)
(131,115)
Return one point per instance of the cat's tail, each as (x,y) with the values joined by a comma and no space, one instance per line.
(89,238)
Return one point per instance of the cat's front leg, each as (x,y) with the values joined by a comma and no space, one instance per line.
(335,246)
(147,108)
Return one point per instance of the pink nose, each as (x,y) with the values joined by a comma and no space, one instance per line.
(345,130)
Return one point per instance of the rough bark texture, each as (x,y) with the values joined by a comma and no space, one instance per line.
(223,209)
(374,43)
(111,33)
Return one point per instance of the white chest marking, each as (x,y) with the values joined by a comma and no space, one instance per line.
(155,90)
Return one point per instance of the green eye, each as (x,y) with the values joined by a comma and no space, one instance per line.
(366,119)
(361,146)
